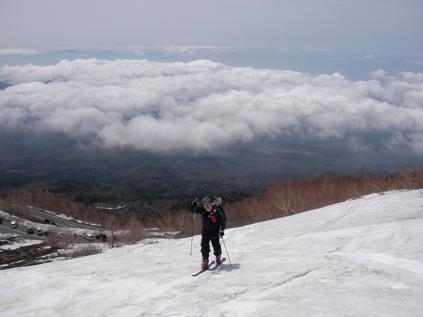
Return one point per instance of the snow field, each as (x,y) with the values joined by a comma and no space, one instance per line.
(361,257)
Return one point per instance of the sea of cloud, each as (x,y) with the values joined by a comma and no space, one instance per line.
(203,105)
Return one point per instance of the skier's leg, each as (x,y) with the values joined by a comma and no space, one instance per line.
(216,244)
(205,245)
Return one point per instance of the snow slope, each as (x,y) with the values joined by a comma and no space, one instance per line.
(362,257)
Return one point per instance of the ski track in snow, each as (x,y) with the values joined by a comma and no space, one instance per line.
(363,257)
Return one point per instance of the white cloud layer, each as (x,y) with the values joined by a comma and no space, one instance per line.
(202,105)
(18,51)
(169,49)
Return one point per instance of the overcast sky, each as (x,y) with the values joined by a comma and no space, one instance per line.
(374,26)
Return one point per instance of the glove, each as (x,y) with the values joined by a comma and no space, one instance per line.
(194,202)
(222,233)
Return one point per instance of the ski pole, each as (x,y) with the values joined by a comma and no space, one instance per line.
(192,233)
(224,244)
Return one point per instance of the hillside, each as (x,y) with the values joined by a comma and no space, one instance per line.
(362,257)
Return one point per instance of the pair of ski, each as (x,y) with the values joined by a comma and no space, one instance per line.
(212,266)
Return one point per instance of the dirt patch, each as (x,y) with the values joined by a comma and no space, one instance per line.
(26,255)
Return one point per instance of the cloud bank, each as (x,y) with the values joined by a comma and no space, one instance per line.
(18,51)
(202,105)
(170,49)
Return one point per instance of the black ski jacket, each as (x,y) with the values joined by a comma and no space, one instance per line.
(212,220)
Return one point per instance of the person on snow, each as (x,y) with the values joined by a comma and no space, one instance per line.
(214,222)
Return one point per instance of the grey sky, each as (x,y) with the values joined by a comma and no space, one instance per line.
(356,25)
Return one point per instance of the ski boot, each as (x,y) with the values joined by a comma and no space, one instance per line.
(218,260)
(205,264)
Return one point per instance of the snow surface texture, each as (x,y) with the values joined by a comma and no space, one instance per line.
(362,257)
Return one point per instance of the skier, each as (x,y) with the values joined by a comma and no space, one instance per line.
(214,222)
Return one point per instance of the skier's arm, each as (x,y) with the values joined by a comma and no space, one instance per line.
(222,219)
(195,208)
(222,222)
